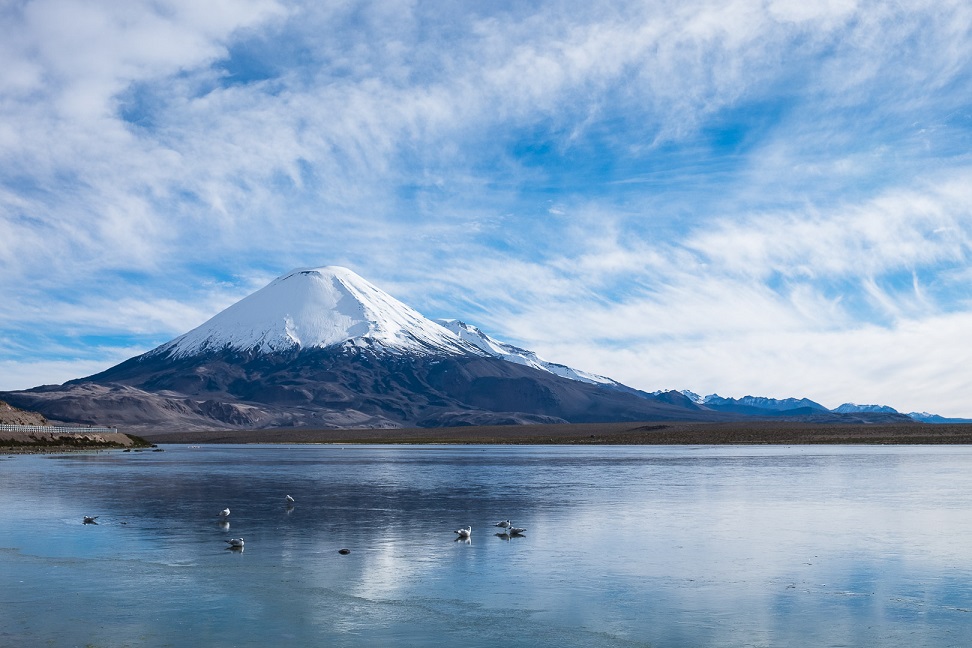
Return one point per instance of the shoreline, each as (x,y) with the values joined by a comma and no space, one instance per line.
(630,433)
(39,443)
(627,433)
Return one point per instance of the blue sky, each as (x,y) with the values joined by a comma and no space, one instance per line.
(742,197)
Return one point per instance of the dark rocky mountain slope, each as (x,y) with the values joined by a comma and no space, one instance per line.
(345,386)
(323,348)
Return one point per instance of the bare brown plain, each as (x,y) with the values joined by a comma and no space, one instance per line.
(648,433)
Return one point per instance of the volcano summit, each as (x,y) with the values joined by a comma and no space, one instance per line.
(316,309)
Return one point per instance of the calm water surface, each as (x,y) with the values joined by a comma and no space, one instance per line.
(644,546)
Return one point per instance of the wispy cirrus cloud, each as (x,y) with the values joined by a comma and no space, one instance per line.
(687,189)
(824,305)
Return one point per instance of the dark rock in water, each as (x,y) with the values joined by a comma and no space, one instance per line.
(344,552)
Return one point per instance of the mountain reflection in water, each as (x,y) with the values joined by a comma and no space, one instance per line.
(658,546)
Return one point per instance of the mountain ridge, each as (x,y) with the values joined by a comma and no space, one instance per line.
(761,405)
(323,347)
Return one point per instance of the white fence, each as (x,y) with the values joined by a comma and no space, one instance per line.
(53,429)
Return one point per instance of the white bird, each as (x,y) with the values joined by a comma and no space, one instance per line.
(464,533)
(224,513)
(290,500)
(90,519)
(505,524)
(235,543)
(516,530)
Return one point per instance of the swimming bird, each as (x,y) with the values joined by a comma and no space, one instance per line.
(517,531)
(90,519)
(505,524)
(235,543)
(290,500)
(464,533)
(224,513)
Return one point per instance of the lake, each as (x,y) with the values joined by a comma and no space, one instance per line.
(624,546)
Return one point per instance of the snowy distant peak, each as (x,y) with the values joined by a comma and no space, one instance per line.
(688,393)
(853,408)
(473,335)
(762,402)
(316,308)
(925,417)
(753,404)
(692,396)
(746,405)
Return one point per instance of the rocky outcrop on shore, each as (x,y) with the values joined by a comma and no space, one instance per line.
(11,415)
(34,441)
(53,439)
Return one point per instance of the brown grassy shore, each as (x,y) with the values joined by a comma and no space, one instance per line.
(42,442)
(652,433)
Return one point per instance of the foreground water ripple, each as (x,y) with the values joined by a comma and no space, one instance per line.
(652,546)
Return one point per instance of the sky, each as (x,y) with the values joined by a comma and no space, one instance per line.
(765,197)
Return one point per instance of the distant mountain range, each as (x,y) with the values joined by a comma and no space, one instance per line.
(761,406)
(322,347)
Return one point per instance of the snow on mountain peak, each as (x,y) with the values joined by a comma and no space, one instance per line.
(316,308)
(687,393)
(322,307)
(853,408)
(473,335)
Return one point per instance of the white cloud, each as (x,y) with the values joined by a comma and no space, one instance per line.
(388,137)
(705,313)
(24,374)
(914,366)
(904,228)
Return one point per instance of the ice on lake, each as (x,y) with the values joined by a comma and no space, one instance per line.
(624,546)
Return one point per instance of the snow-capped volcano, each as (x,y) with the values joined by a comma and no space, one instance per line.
(316,308)
(322,347)
(310,308)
